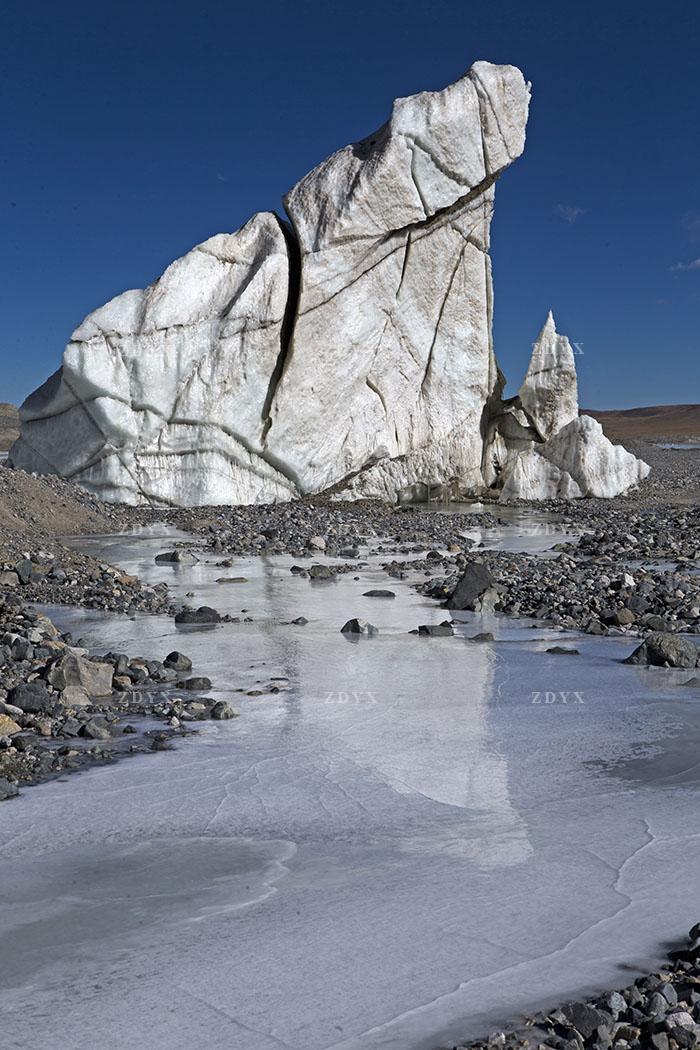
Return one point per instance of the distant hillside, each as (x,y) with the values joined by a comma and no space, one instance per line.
(656,421)
(9,425)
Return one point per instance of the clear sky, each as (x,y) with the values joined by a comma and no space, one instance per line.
(133,130)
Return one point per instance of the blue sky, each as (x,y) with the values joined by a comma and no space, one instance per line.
(130,132)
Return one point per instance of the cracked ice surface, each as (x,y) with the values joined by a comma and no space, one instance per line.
(401,848)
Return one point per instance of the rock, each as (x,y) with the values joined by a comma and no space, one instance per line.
(356,626)
(176,557)
(475,581)
(278,361)
(75,696)
(232,579)
(9,579)
(24,570)
(198,684)
(560,650)
(203,615)
(317,543)
(585,1019)
(379,593)
(665,650)
(435,630)
(7,789)
(321,572)
(8,726)
(177,661)
(222,710)
(74,670)
(549,394)
(31,697)
(300,621)
(95,729)
(624,617)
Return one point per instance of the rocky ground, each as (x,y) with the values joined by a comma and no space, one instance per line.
(9,425)
(658,1012)
(61,710)
(632,567)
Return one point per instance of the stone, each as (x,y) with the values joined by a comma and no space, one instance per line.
(378,593)
(585,1019)
(475,581)
(176,557)
(356,626)
(321,572)
(435,630)
(317,543)
(9,579)
(75,696)
(95,729)
(549,393)
(7,789)
(24,570)
(665,650)
(31,697)
(222,710)
(8,726)
(177,661)
(203,615)
(197,684)
(74,670)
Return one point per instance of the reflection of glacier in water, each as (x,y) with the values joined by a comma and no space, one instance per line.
(399,848)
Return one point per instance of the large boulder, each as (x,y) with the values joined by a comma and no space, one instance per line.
(353,350)
(475,582)
(661,649)
(32,698)
(76,673)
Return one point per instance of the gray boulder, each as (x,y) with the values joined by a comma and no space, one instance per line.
(203,615)
(475,582)
(7,789)
(661,649)
(356,626)
(32,697)
(74,670)
(177,661)
(222,710)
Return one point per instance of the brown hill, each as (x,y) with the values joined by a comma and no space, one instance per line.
(679,422)
(9,425)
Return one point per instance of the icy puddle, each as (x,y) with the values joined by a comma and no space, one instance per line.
(413,840)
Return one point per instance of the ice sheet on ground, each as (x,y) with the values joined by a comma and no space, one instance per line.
(414,840)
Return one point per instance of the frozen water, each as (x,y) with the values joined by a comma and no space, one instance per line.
(414,840)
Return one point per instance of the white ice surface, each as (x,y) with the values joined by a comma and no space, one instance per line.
(399,849)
